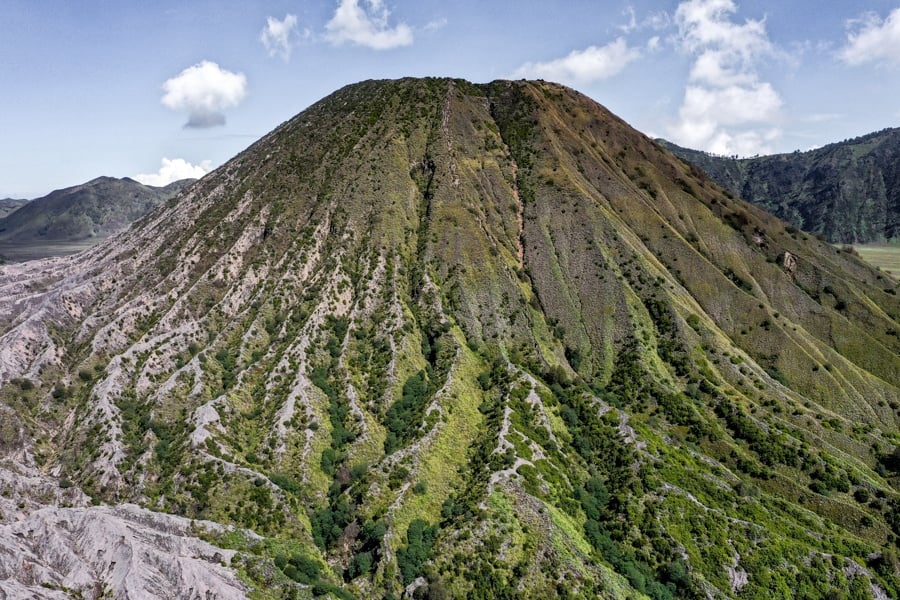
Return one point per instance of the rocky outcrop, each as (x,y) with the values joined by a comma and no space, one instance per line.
(122,552)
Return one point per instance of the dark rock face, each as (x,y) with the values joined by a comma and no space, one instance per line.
(848,192)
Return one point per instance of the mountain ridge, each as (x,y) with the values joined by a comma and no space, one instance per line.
(68,219)
(8,205)
(475,341)
(844,191)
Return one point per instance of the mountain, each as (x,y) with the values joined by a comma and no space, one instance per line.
(444,340)
(849,192)
(70,219)
(8,205)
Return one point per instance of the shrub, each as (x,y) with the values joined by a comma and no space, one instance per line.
(420,538)
(361,564)
(284,482)
(405,414)
(305,569)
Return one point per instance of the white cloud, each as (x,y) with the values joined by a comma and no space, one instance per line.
(278,36)
(656,21)
(366,26)
(726,108)
(204,91)
(705,23)
(173,170)
(873,40)
(822,117)
(731,105)
(632,23)
(711,118)
(583,66)
(436,24)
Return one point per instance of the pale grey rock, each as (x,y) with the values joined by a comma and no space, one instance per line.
(123,552)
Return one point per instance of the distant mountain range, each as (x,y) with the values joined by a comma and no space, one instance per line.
(848,192)
(70,219)
(8,205)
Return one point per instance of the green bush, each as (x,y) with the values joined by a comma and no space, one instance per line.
(305,569)
(284,482)
(420,538)
(404,415)
(360,565)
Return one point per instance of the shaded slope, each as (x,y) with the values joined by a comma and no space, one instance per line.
(845,191)
(8,205)
(83,213)
(484,339)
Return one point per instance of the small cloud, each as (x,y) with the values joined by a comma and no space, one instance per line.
(203,91)
(873,40)
(366,26)
(821,117)
(436,24)
(583,66)
(653,44)
(173,170)
(278,36)
(654,22)
(658,21)
(632,24)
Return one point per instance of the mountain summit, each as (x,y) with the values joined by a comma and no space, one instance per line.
(436,339)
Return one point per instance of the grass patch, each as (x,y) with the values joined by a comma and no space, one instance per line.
(886,257)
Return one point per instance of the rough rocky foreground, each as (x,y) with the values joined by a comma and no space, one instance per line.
(53,544)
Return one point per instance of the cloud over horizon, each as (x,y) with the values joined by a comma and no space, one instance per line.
(583,66)
(278,36)
(366,26)
(203,91)
(172,170)
(726,108)
(873,40)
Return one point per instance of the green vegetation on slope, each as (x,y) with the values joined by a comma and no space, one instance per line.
(487,342)
(74,218)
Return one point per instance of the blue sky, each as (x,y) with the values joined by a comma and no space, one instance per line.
(165,89)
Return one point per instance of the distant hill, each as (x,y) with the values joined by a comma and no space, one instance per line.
(71,219)
(8,205)
(848,191)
